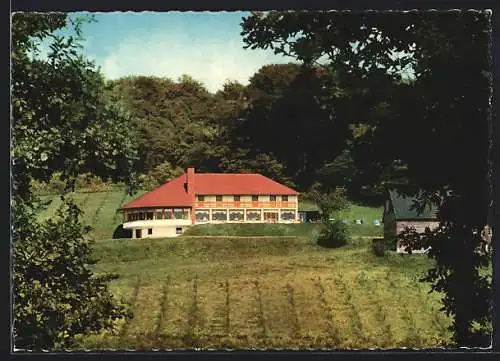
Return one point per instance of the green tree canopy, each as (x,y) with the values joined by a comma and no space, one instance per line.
(61,124)
(436,126)
(173,119)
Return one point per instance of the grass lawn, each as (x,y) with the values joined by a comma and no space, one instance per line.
(99,209)
(366,214)
(266,292)
(260,286)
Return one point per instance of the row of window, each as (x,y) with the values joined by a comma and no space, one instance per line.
(138,232)
(237,215)
(167,213)
(237,198)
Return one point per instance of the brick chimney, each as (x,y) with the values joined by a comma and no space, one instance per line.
(190,181)
(190,190)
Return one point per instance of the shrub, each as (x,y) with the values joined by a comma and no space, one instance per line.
(327,201)
(333,234)
(39,188)
(54,186)
(84,183)
(88,182)
(56,295)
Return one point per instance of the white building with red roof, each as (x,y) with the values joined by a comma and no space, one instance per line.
(199,198)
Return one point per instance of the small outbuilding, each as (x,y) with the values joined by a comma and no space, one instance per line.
(401,211)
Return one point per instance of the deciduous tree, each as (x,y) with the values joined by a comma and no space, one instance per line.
(60,123)
(437,126)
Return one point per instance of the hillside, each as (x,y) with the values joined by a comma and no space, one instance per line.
(100,210)
(262,291)
(268,293)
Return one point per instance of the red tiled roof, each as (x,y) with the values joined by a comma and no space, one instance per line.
(238,184)
(174,193)
(170,194)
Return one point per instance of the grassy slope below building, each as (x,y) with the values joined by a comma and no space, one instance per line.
(267,292)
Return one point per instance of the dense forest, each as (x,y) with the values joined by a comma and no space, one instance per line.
(281,125)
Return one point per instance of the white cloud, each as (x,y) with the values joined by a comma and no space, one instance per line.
(211,63)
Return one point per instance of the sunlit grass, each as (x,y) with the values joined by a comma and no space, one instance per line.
(260,286)
(268,293)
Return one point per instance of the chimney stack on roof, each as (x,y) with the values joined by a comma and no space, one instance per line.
(190,181)
(190,189)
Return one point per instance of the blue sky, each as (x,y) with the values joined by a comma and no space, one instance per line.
(206,45)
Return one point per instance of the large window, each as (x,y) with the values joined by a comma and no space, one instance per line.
(284,198)
(236,198)
(287,215)
(272,198)
(236,215)
(218,198)
(180,213)
(169,214)
(255,198)
(253,215)
(219,215)
(202,215)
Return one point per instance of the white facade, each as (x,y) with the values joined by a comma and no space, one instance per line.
(157,228)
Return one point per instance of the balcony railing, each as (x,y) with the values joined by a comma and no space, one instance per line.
(247,204)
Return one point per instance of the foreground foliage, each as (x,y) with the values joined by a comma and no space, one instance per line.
(61,123)
(394,77)
(56,294)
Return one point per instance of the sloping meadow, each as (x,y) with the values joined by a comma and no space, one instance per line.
(255,286)
(266,293)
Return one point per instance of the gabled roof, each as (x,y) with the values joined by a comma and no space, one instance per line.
(239,184)
(174,193)
(405,207)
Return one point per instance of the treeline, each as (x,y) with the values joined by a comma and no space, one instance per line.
(283,124)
